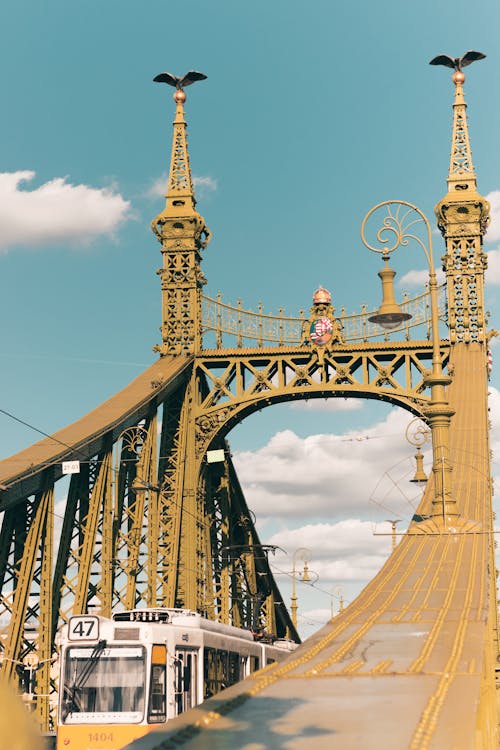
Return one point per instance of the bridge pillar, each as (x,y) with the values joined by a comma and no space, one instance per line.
(438,415)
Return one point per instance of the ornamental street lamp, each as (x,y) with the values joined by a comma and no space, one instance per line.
(417,434)
(394,522)
(304,554)
(400,220)
(256,593)
(389,314)
(337,592)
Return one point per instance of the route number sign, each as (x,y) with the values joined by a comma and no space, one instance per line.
(83,628)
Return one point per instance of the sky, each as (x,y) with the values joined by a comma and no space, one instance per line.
(311,114)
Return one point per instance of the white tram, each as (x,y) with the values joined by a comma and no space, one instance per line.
(121,676)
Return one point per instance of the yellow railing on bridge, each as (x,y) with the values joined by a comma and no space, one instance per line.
(258,328)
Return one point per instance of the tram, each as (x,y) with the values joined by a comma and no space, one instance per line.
(120,677)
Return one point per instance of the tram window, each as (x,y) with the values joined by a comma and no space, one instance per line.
(254,663)
(270,660)
(242,668)
(157,711)
(185,679)
(113,682)
(221,669)
(157,698)
(233,668)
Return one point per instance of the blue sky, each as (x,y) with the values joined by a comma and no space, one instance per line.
(311,113)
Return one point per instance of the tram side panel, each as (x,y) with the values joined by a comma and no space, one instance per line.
(121,677)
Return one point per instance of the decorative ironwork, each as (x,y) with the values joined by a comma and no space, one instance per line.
(461,157)
(249,328)
(183,235)
(463,216)
(417,433)
(239,381)
(400,217)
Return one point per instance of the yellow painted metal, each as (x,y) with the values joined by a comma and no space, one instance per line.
(40,529)
(106,583)
(420,476)
(153,517)
(45,640)
(221,320)
(414,644)
(243,381)
(177,531)
(34,582)
(389,315)
(169,498)
(183,235)
(463,216)
(220,513)
(172,514)
(240,381)
(90,527)
(136,477)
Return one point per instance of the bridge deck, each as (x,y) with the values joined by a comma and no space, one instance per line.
(20,473)
(399,668)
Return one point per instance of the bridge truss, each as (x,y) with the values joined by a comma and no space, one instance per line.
(155,515)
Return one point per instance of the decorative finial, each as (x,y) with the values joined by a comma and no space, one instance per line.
(180,83)
(322,296)
(461,175)
(180,190)
(457,63)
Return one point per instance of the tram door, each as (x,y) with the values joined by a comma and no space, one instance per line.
(186,675)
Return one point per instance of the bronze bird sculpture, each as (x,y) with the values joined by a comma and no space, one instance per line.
(457,63)
(180,83)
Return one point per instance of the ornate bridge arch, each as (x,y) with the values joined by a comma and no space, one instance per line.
(239,382)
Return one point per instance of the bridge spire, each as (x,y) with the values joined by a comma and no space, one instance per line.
(183,235)
(180,190)
(461,174)
(463,216)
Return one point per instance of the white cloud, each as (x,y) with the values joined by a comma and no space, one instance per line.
(202,185)
(158,187)
(493,233)
(317,617)
(333,543)
(494,415)
(332,476)
(330,404)
(493,270)
(342,558)
(56,211)
(420,278)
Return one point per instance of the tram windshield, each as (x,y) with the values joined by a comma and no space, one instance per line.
(104,681)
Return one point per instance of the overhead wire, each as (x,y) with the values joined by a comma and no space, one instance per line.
(115,470)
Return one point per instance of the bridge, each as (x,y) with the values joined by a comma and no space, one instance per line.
(155,514)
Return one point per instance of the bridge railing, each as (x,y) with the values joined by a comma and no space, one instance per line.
(249,328)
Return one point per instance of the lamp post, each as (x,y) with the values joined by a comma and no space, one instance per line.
(304,554)
(337,592)
(417,434)
(256,593)
(394,522)
(397,230)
